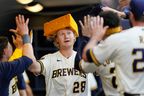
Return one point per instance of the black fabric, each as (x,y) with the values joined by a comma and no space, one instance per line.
(77,61)
(89,59)
(82,42)
(128,94)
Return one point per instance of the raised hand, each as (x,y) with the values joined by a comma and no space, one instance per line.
(17,41)
(97,27)
(85,26)
(22,25)
(93,27)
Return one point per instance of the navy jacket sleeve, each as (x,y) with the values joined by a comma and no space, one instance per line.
(21,83)
(13,68)
(82,42)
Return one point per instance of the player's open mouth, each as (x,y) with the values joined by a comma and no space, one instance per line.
(67,41)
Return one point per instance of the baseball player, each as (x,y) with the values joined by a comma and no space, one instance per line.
(107,70)
(107,74)
(58,68)
(13,88)
(17,86)
(10,69)
(125,49)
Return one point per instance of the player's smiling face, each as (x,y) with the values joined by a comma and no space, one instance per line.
(65,38)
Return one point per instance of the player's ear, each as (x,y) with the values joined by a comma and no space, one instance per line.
(56,41)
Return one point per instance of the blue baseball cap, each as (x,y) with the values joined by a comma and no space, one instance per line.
(137,8)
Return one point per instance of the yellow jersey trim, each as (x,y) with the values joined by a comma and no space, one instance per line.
(113,30)
(94,58)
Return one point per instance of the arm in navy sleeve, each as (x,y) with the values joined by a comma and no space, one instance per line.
(10,69)
(21,83)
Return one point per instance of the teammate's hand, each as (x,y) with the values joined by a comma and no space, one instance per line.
(22,25)
(17,41)
(97,27)
(85,26)
(94,26)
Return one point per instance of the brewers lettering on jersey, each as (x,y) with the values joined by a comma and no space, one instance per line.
(61,77)
(58,68)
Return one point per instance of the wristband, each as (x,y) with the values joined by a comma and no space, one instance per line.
(26,39)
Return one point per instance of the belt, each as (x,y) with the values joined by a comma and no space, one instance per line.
(128,94)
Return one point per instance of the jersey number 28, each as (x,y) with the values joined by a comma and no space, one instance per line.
(79,86)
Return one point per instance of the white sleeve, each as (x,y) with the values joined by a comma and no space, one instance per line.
(88,67)
(92,81)
(104,51)
(45,64)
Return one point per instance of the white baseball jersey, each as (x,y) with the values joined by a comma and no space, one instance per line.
(126,50)
(109,80)
(92,83)
(108,77)
(60,76)
(13,89)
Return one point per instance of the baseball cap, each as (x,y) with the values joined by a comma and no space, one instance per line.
(137,8)
(59,23)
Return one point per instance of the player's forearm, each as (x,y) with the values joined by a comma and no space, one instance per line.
(29,90)
(28,51)
(120,14)
(87,67)
(35,68)
(22,92)
(27,47)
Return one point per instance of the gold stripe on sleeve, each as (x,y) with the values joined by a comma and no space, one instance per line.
(94,58)
(42,66)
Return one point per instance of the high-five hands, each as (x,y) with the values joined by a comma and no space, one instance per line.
(94,27)
(22,25)
(17,41)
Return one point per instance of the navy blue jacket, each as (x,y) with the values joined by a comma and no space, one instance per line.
(10,69)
